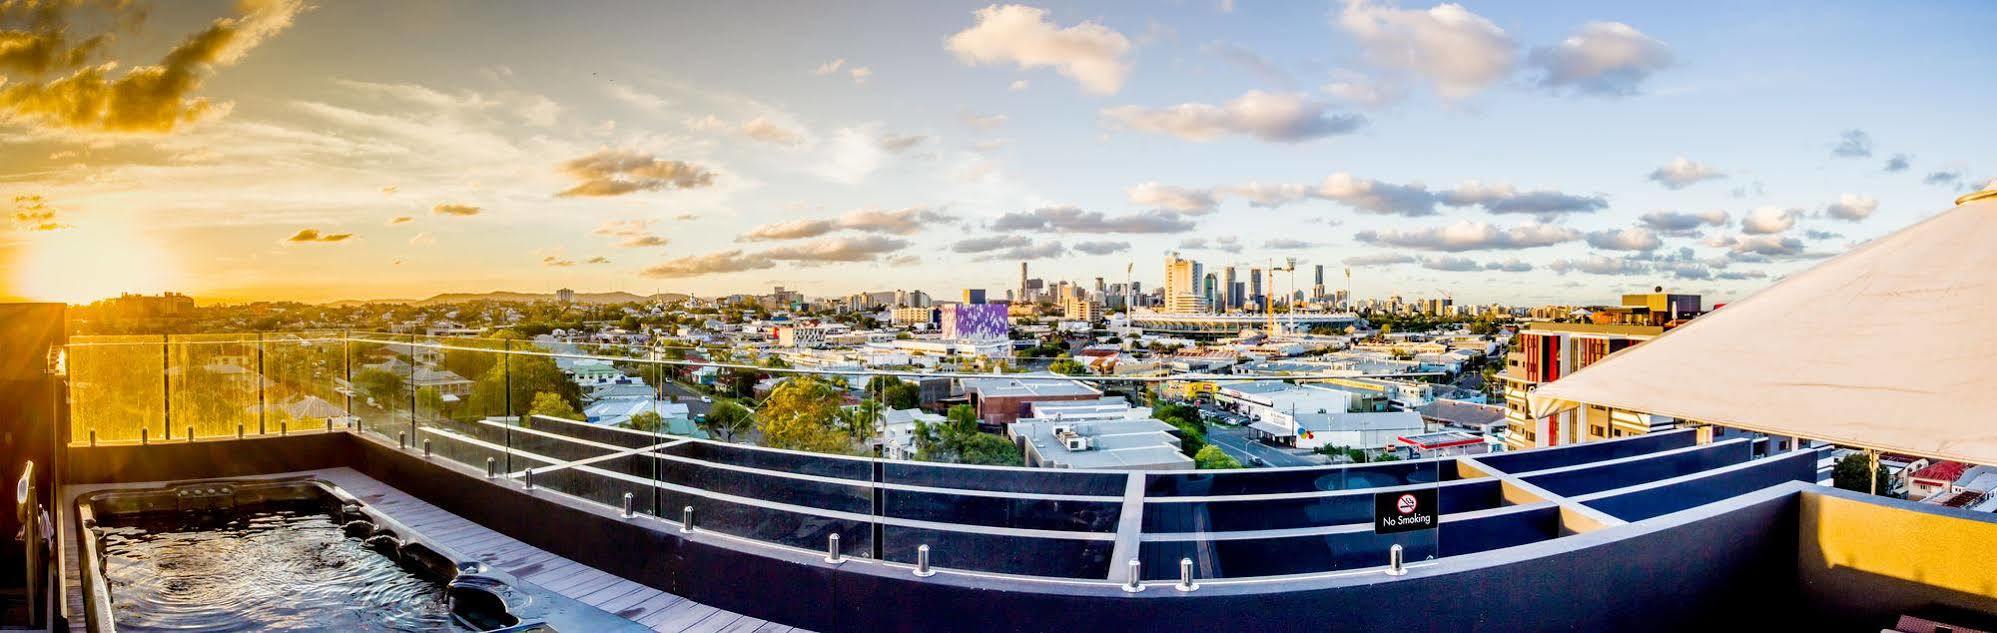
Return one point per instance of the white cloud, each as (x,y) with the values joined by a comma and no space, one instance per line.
(1768,220)
(1852,207)
(984,121)
(1274,117)
(1682,172)
(767,131)
(1630,239)
(1603,58)
(1074,220)
(1471,235)
(1682,224)
(1179,199)
(1460,52)
(902,222)
(1853,144)
(860,74)
(1600,265)
(1089,53)
(1018,85)
(1364,91)
(830,67)
(638,99)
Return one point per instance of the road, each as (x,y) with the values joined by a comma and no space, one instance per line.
(1236,442)
(690,396)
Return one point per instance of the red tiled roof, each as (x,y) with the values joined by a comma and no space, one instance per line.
(1944,471)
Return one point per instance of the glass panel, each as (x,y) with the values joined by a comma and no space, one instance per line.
(305,372)
(381,371)
(117,385)
(214,384)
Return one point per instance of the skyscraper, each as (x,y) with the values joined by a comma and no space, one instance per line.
(1230,289)
(1255,287)
(1317,289)
(1023,297)
(1181,290)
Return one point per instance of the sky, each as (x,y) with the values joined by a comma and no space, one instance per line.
(1520,153)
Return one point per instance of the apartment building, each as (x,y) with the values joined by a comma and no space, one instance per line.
(1545,352)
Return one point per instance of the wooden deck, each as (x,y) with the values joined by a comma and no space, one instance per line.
(651,607)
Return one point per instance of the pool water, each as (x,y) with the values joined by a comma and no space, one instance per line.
(289,569)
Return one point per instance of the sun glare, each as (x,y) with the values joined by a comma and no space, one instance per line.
(84,264)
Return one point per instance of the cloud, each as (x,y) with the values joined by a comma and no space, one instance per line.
(1224,243)
(1503,198)
(712,263)
(1102,247)
(1853,144)
(1268,195)
(557,261)
(1898,162)
(1364,91)
(636,98)
(1272,117)
(42,45)
(1682,224)
(903,222)
(837,249)
(1852,207)
(1178,199)
(1753,247)
(32,213)
(1601,58)
(1945,177)
(1768,220)
(1289,244)
(1373,196)
(400,219)
(990,243)
(313,236)
(1630,239)
(1471,235)
(1459,52)
(1600,265)
(1035,250)
(641,241)
(1089,53)
(830,67)
(1510,266)
(1379,259)
(1682,172)
(157,98)
(1247,60)
(897,144)
(860,74)
(1074,220)
(762,129)
(615,172)
(422,239)
(446,208)
(1018,85)
(1450,263)
(984,121)
(598,260)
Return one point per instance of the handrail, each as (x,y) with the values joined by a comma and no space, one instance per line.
(28,508)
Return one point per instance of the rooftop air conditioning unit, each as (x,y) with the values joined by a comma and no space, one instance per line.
(1062,429)
(1078,443)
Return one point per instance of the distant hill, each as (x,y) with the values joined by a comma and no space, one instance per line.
(599,298)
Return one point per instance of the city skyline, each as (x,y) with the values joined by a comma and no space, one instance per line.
(1509,154)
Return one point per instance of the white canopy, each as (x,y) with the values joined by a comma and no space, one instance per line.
(1892,346)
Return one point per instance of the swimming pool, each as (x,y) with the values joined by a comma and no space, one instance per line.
(291,555)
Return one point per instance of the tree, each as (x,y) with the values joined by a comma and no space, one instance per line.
(903,396)
(647,421)
(804,414)
(1849,474)
(554,406)
(727,419)
(958,440)
(1068,366)
(528,376)
(1186,418)
(384,386)
(1211,457)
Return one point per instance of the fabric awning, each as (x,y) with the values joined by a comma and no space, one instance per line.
(1889,347)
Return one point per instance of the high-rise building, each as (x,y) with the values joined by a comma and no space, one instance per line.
(1317,289)
(1210,291)
(1181,290)
(565,295)
(1023,296)
(1230,289)
(1546,352)
(1255,287)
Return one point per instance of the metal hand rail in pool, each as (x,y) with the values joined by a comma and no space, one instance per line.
(28,509)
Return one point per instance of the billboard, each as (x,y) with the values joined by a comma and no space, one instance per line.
(975,322)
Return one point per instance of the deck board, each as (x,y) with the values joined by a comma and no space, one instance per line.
(635,601)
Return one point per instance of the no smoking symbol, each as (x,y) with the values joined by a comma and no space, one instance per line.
(1406,504)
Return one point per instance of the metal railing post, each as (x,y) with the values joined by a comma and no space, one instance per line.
(1135,582)
(401,440)
(527,478)
(1395,566)
(686,519)
(143,432)
(239,430)
(832,554)
(922,561)
(426,448)
(190,432)
(627,505)
(1186,575)
(491,467)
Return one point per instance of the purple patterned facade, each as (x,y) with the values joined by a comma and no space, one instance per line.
(975,322)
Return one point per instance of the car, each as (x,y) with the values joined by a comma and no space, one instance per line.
(707,399)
